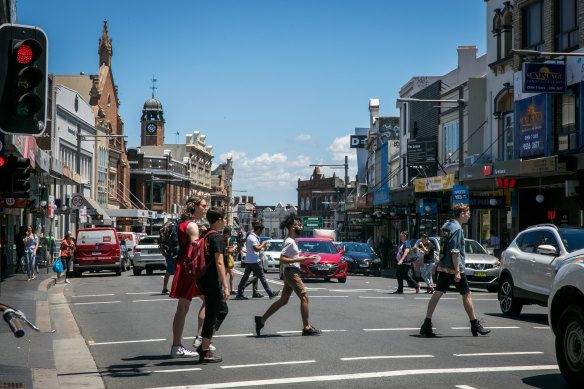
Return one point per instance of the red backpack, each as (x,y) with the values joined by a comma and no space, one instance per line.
(195,266)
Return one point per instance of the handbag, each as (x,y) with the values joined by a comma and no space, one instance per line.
(411,257)
(58,266)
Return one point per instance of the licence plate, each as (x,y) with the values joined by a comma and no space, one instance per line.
(95,254)
(480,273)
(321,266)
(364,265)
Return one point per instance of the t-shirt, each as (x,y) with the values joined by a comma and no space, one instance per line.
(405,245)
(428,258)
(51,243)
(30,243)
(290,250)
(494,242)
(252,256)
(214,243)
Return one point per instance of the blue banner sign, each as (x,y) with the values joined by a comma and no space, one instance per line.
(531,125)
(544,78)
(427,206)
(460,194)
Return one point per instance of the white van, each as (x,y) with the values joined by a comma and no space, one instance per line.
(131,239)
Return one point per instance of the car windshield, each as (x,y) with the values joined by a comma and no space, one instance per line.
(323,247)
(150,240)
(96,237)
(573,239)
(356,248)
(274,246)
(473,247)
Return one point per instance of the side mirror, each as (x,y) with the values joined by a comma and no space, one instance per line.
(547,249)
(342,251)
(490,251)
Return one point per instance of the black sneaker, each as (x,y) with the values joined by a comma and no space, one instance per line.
(398,292)
(426,329)
(164,291)
(259,325)
(206,356)
(257,295)
(274,294)
(311,331)
(241,297)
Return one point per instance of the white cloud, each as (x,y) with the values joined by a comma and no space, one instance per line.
(303,137)
(341,147)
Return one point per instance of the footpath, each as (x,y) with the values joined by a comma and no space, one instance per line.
(57,356)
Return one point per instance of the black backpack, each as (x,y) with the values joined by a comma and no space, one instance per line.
(169,243)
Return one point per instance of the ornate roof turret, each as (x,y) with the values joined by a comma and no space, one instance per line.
(105,49)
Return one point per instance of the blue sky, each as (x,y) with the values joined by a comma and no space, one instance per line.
(279,84)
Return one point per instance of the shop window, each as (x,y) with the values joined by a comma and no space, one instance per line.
(567,108)
(566,12)
(533,27)
(157,192)
(450,142)
(507,137)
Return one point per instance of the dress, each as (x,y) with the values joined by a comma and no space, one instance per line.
(183,286)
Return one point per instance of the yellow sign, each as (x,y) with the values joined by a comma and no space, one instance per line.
(431,184)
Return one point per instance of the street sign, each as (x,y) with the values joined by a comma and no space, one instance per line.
(77,201)
(309,223)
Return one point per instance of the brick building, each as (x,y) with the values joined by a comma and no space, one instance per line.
(319,196)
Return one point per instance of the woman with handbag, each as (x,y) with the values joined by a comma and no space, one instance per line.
(31,245)
(67,248)
(228,257)
(403,264)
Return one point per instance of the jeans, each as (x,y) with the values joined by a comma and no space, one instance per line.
(427,273)
(258,271)
(30,262)
(402,273)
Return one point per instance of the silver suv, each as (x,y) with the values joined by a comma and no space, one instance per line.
(530,263)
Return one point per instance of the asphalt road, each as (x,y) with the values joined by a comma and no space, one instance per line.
(370,339)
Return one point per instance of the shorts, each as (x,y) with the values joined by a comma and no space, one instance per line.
(170,266)
(293,282)
(444,280)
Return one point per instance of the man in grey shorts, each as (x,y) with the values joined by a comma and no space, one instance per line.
(290,260)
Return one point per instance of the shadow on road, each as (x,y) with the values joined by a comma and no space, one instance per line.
(535,318)
(545,381)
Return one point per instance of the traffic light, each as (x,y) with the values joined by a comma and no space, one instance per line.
(23,79)
(5,176)
(255,213)
(20,168)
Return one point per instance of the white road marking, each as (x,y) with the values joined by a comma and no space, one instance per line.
(127,341)
(361,376)
(542,328)
(379,297)
(464,387)
(97,302)
(354,290)
(312,296)
(222,336)
(503,353)
(162,299)
(492,328)
(387,357)
(172,370)
(443,298)
(392,329)
(143,293)
(268,364)
(94,295)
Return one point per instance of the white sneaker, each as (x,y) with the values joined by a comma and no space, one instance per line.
(199,340)
(67,281)
(181,352)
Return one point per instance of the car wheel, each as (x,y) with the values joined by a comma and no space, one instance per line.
(119,272)
(149,271)
(509,304)
(137,271)
(570,344)
(77,273)
(492,287)
(342,280)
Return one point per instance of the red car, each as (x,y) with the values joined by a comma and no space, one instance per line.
(331,264)
(97,249)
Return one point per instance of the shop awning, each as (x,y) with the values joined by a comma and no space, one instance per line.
(91,203)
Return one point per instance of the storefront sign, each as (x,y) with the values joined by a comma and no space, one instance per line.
(381,196)
(434,183)
(422,151)
(358,141)
(428,207)
(538,165)
(544,77)
(460,194)
(13,203)
(532,125)
(487,202)
(497,169)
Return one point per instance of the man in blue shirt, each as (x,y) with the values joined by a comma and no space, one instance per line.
(451,271)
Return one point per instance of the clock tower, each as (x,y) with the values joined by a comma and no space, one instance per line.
(152,122)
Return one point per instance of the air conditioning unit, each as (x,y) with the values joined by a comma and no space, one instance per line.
(470,159)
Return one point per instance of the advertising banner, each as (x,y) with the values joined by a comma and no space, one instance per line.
(544,77)
(434,183)
(460,194)
(358,141)
(428,207)
(422,151)
(531,125)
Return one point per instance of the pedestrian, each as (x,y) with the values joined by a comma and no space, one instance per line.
(426,247)
(169,272)
(371,242)
(290,260)
(213,285)
(51,245)
(494,243)
(451,271)
(19,243)
(228,257)
(184,287)
(402,267)
(66,254)
(31,245)
(252,258)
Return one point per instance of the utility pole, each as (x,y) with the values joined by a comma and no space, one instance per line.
(346,215)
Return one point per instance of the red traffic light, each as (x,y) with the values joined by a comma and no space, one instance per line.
(2,161)
(24,54)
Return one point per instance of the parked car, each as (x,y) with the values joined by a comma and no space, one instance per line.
(566,319)
(148,256)
(131,239)
(330,264)
(270,256)
(528,265)
(97,249)
(361,259)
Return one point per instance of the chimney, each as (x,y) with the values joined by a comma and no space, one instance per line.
(373,113)
(466,55)
(236,200)
(250,199)
(195,136)
(244,199)
(189,136)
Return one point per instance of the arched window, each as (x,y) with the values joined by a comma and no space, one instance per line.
(497,31)
(504,112)
(507,29)
(302,204)
(307,204)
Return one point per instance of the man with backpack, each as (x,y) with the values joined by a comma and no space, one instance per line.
(184,287)
(213,284)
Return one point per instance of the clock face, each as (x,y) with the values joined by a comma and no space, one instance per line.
(151,128)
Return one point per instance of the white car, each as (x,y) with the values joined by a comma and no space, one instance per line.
(528,265)
(566,318)
(270,257)
(147,255)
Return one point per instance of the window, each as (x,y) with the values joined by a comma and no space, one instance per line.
(548,238)
(507,137)
(533,27)
(528,241)
(567,137)
(450,142)
(573,239)
(566,25)
(157,192)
